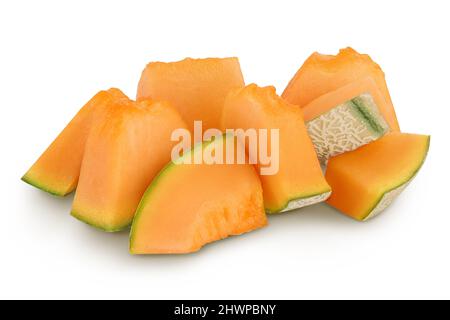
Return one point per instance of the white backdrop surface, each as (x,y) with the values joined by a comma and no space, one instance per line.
(54,55)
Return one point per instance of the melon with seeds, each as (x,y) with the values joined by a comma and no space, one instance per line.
(189,205)
(58,168)
(123,154)
(299,180)
(347,118)
(321,74)
(367,180)
(196,87)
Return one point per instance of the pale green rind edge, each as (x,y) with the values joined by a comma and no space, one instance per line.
(425,154)
(73,213)
(168,167)
(44,188)
(295,198)
(98,226)
(363,112)
(366,115)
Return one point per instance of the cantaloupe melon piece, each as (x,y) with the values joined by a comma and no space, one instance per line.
(58,168)
(321,74)
(196,87)
(347,118)
(123,154)
(190,205)
(367,180)
(299,181)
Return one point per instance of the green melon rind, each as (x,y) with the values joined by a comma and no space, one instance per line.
(149,192)
(295,198)
(126,225)
(364,110)
(79,217)
(171,165)
(41,186)
(364,113)
(100,227)
(411,176)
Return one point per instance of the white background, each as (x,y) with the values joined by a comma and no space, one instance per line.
(54,55)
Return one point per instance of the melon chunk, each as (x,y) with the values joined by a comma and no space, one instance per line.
(58,168)
(321,74)
(299,181)
(196,87)
(123,154)
(367,180)
(190,205)
(347,118)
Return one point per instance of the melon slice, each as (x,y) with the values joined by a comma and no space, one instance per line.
(58,168)
(347,118)
(123,154)
(196,87)
(321,74)
(299,181)
(212,201)
(367,180)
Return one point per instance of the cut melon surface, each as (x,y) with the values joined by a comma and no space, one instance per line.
(366,181)
(346,126)
(321,74)
(299,181)
(196,87)
(190,205)
(58,168)
(123,154)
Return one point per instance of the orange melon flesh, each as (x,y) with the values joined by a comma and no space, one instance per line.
(196,87)
(321,74)
(299,181)
(354,89)
(123,154)
(367,180)
(190,205)
(58,168)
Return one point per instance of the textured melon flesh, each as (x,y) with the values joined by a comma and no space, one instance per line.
(123,154)
(367,180)
(346,127)
(299,181)
(321,74)
(196,87)
(343,94)
(190,205)
(58,168)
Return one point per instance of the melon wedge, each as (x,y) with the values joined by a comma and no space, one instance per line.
(299,181)
(123,154)
(196,87)
(367,180)
(190,205)
(58,168)
(347,118)
(321,74)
